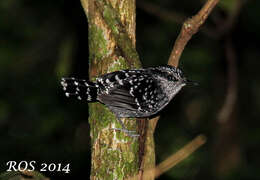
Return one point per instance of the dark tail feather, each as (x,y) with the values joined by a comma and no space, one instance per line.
(80,88)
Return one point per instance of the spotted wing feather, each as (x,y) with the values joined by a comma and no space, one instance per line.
(130,93)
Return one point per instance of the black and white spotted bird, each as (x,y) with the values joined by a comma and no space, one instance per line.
(130,93)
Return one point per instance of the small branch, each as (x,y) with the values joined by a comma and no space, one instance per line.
(174,159)
(189,28)
(231,97)
(22,174)
(179,156)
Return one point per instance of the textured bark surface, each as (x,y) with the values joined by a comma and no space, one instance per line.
(111,48)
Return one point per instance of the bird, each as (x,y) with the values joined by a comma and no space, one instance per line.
(131,92)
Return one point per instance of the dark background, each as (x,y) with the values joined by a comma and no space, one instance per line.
(42,41)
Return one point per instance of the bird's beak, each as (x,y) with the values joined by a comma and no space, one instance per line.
(191,83)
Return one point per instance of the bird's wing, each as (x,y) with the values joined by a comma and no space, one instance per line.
(132,91)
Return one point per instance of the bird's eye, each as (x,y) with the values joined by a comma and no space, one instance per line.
(169,77)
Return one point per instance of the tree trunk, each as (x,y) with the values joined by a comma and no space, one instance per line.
(111,48)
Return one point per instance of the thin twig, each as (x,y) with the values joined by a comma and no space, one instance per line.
(179,156)
(174,159)
(189,28)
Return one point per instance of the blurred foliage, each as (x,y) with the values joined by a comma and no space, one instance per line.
(22,175)
(228,5)
(41,41)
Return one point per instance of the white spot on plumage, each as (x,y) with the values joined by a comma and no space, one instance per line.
(67,94)
(137,103)
(100,80)
(117,77)
(131,91)
(136,100)
(107,91)
(76,83)
(121,82)
(79,98)
(107,81)
(63,83)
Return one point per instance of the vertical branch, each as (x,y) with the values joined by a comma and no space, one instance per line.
(112,47)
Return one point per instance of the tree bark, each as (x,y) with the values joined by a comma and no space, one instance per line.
(111,48)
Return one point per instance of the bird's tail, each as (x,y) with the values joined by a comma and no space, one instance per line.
(80,89)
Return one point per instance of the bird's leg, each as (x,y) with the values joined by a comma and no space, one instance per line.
(123,129)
